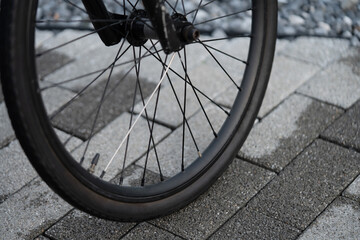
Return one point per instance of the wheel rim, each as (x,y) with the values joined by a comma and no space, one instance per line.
(192,170)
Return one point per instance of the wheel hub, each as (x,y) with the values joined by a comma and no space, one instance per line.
(139,29)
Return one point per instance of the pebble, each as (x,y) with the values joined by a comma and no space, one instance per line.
(296,20)
(347,4)
(324,26)
(346,34)
(355,42)
(347,20)
(357,33)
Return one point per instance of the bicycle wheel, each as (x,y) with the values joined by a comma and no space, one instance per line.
(138,134)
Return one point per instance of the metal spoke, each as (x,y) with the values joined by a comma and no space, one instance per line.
(132,5)
(183,5)
(178,102)
(94,109)
(128,138)
(197,10)
(184,116)
(91,73)
(114,88)
(137,118)
(197,89)
(137,1)
(110,87)
(86,87)
(176,3)
(220,65)
(101,103)
(226,54)
(137,69)
(152,128)
(197,97)
(224,16)
(73,21)
(171,6)
(123,5)
(225,38)
(76,6)
(78,38)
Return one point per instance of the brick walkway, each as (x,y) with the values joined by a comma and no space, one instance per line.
(297,175)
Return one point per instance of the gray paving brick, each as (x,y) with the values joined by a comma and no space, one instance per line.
(320,51)
(339,83)
(346,130)
(78,117)
(90,65)
(15,169)
(147,231)
(201,74)
(308,184)
(201,218)
(238,48)
(205,75)
(41,36)
(341,220)
(54,98)
(108,139)
(30,211)
(287,75)
(50,62)
(72,144)
(281,44)
(283,134)
(253,225)
(227,98)
(152,68)
(79,225)
(6,131)
(171,148)
(133,174)
(41,237)
(74,48)
(353,191)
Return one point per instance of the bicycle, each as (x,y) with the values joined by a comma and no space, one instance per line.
(97,175)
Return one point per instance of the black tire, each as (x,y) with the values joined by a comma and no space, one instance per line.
(90,193)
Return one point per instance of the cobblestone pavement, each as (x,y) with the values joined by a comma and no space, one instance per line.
(296,177)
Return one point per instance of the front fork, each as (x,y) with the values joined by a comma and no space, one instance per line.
(98,15)
(112,31)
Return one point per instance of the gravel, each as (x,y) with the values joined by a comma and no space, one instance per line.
(328,18)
